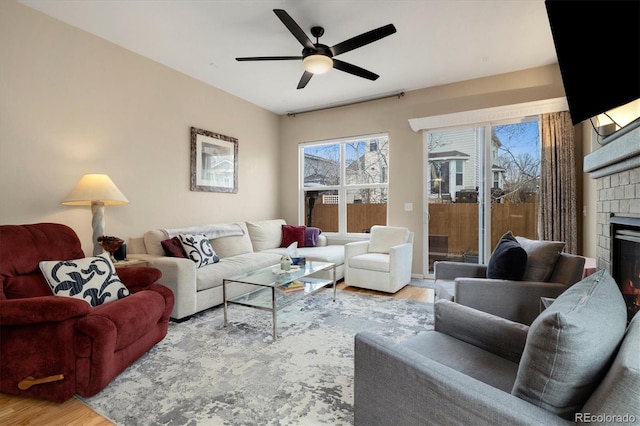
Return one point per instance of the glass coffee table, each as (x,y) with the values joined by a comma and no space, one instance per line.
(276,289)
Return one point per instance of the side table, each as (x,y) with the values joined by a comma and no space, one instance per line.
(129,262)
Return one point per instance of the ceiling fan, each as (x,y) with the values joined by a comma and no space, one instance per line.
(318,58)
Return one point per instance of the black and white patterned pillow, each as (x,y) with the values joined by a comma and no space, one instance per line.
(92,279)
(198,248)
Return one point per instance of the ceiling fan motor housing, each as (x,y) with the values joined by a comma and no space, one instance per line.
(320,49)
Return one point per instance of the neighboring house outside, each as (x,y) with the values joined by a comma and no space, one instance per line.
(369,168)
(453,165)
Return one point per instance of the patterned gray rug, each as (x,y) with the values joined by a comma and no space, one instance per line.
(205,374)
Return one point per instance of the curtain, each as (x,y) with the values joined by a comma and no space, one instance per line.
(558,181)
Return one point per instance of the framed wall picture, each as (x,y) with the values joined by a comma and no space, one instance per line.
(214,162)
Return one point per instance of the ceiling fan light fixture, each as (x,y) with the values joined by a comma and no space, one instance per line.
(317,64)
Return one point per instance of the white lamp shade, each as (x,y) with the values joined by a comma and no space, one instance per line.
(95,188)
(317,64)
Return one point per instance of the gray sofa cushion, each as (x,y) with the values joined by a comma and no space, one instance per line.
(465,358)
(445,289)
(619,392)
(571,344)
(541,258)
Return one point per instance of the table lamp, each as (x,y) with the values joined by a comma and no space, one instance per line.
(96,190)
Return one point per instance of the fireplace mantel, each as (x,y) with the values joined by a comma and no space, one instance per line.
(621,153)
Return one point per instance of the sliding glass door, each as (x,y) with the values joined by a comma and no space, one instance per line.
(480,183)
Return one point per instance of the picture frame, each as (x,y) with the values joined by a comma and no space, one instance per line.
(214,162)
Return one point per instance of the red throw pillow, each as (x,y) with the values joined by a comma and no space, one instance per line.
(291,234)
(173,247)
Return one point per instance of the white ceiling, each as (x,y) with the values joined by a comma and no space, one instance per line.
(437,42)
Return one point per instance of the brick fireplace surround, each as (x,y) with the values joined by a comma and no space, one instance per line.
(616,169)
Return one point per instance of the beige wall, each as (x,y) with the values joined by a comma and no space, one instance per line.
(72,103)
(405,154)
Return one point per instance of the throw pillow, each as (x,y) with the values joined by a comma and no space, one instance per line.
(385,237)
(173,247)
(92,279)
(311,235)
(292,234)
(198,249)
(541,258)
(571,344)
(508,261)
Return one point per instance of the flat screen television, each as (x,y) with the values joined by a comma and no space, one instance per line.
(598,48)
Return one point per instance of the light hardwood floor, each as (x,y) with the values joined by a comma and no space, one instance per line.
(73,412)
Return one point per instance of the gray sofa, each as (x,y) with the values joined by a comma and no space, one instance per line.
(466,283)
(577,362)
(254,245)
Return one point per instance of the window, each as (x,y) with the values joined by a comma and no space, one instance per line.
(345,183)
(459,175)
(498,193)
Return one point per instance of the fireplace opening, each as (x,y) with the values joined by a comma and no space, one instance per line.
(625,260)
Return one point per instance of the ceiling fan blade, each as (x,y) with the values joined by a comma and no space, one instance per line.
(304,80)
(294,28)
(363,39)
(270,58)
(353,69)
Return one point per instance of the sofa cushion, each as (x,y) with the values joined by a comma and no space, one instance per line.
(619,391)
(30,285)
(370,261)
(332,253)
(541,258)
(466,358)
(311,235)
(445,289)
(212,275)
(292,234)
(233,245)
(173,247)
(265,234)
(571,344)
(385,237)
(92,279)
(153,241)
(508,261)
(198,249)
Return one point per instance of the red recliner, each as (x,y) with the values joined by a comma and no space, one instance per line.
(53,347)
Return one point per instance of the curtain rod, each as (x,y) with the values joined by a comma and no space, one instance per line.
(398,95)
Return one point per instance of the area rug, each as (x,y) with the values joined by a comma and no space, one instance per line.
(203,373)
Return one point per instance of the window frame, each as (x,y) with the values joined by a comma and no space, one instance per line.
(343,187)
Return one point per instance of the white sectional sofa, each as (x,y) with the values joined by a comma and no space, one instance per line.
(256,245)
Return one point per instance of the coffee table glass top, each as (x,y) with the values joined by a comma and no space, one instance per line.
(273,277)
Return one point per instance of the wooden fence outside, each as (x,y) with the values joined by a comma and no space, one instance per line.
(360,217)
(458,221)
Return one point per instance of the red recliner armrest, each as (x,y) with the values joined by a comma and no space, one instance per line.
(138,278)
(35,310)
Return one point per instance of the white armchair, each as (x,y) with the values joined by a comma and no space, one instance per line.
(383,263)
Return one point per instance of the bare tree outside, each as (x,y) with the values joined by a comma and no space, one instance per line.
(519,156)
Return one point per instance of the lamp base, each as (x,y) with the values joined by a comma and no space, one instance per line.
(97,223)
